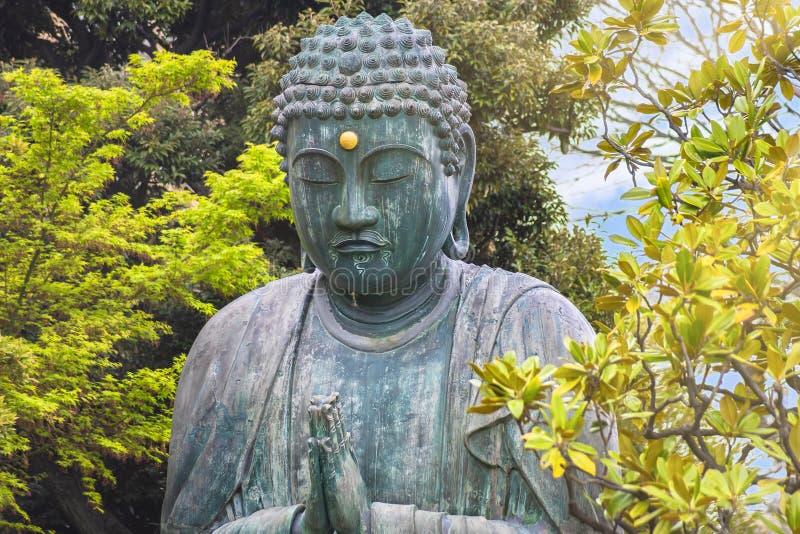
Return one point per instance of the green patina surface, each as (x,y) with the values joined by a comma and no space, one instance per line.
(373,126)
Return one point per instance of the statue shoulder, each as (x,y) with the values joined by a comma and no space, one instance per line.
(235,316)
(538,318)
(275,307)
(266,316)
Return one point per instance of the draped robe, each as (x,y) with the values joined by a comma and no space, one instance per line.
(230,375)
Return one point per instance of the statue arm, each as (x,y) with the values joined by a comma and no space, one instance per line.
(537,325)
(399,518)
(277,520)
(222,386)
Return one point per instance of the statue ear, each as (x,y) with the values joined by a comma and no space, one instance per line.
(456,245)
(305,262)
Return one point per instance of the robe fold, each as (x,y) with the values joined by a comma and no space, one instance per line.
(230,375)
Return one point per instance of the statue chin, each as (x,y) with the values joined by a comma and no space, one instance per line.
(376,278)
(369,281)
(364,274)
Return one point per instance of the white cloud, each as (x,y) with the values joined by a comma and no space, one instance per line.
(580,177)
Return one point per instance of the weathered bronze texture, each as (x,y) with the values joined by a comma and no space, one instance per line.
(379,157)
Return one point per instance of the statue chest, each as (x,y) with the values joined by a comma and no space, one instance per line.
(393,403)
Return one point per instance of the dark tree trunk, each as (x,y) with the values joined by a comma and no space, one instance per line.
(66,492)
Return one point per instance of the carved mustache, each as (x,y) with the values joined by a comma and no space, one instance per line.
(370,236)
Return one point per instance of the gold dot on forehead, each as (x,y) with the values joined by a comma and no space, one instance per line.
(348,140)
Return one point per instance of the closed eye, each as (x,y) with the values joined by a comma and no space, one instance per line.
(316,166)
(391,177)
(392,164)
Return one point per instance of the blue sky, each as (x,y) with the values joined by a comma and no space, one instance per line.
(579,177)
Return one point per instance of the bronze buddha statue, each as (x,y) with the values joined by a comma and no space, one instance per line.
(379,156)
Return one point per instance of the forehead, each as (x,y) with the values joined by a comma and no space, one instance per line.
(372,133)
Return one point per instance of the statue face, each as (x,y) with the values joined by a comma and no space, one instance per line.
(372,217)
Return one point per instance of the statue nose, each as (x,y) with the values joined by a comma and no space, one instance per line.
(354,217)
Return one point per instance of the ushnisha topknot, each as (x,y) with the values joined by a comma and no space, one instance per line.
(373,66)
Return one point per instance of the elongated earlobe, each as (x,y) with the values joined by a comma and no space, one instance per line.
(456,245)
(306,263)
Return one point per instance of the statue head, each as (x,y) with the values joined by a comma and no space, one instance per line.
(372,125)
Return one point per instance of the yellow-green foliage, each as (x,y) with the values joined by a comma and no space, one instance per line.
(698,373)
(78,271)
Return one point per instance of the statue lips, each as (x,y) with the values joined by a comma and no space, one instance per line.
(358,242)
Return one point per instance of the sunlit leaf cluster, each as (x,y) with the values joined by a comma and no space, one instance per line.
(80,270)
(697,376)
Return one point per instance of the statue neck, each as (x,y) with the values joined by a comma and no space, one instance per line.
(392,316)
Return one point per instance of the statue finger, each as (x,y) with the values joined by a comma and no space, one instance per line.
(330,425)
(316,514)
(348,446)
(332,399)
(313,460)
(330,459)
(319,400)
(338,424)
(316,422)
(315,471)
(325,457)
